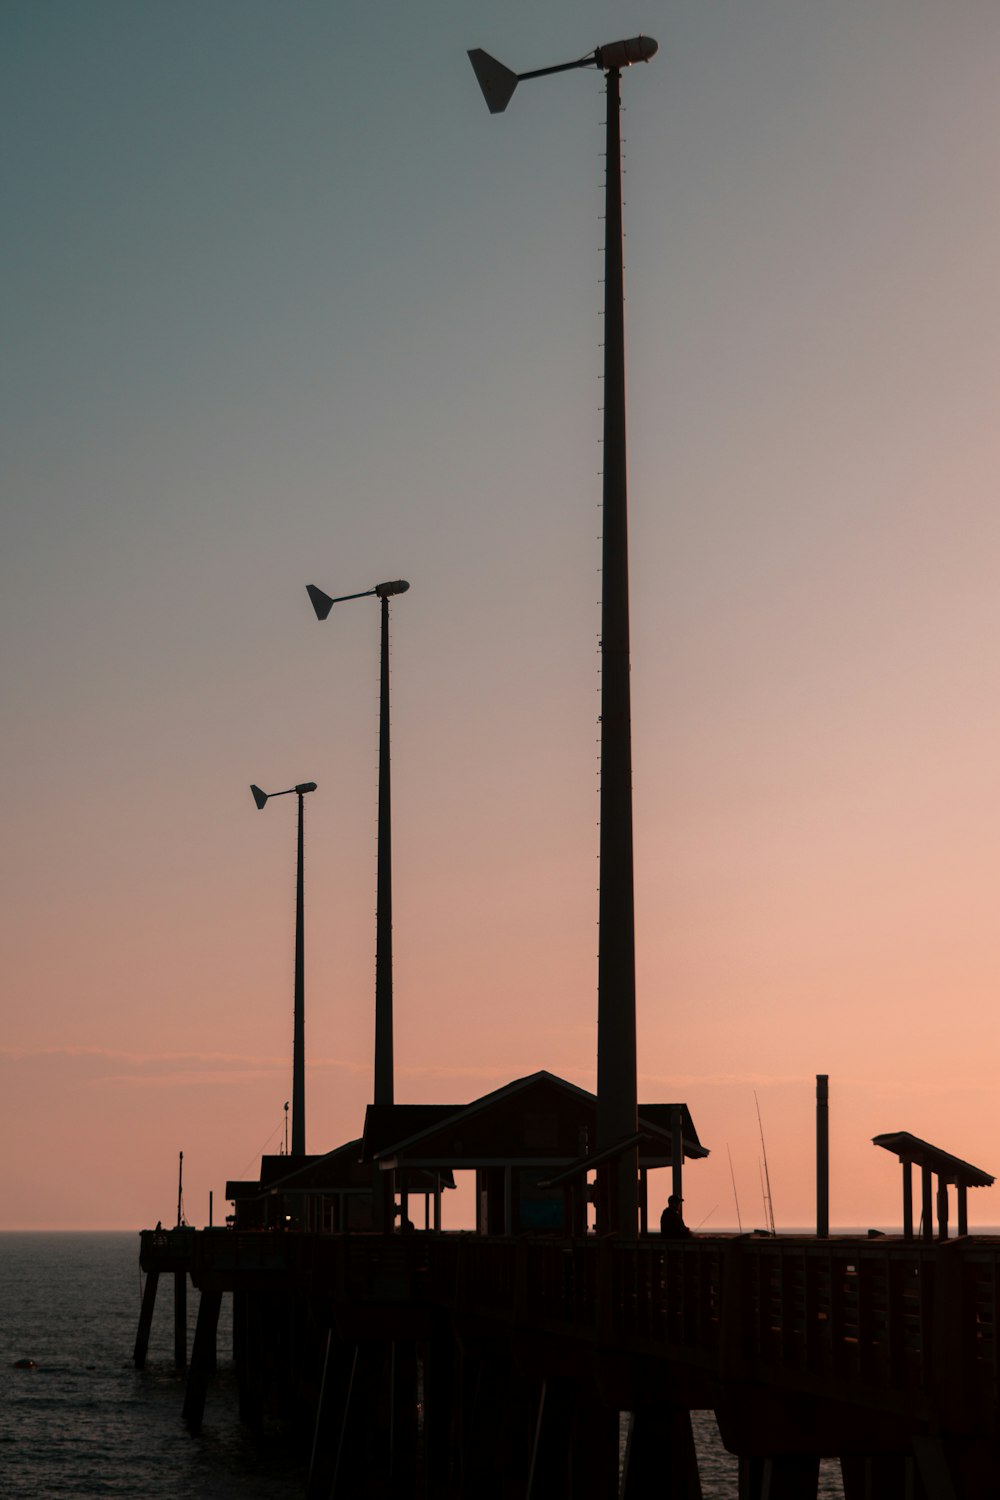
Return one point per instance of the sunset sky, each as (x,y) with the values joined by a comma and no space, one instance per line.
(284,304)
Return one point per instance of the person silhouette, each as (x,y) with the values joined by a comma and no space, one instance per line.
(672,1225)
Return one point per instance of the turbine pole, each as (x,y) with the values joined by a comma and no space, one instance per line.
(617,1110)
(384,1089)
(299,1044)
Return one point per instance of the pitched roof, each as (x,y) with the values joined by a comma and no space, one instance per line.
(429,1132)
(662,1115)
(387,1123)
(339,1170)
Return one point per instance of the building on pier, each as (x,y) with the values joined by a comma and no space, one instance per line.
(330,1193)
(516,1139)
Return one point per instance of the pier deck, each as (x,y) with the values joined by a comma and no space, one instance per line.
(881,1352)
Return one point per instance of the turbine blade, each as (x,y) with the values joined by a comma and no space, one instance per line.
(497,82)
(321,603)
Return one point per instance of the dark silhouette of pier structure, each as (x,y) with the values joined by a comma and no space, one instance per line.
(498,1364)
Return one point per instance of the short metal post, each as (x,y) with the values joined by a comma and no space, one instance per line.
(822,1155)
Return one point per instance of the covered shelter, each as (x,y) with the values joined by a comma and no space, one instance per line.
(331,1193)
(518,1139)
(933,1162)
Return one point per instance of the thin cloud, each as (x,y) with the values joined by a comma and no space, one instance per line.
(722,1080)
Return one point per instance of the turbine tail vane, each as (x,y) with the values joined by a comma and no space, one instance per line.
(497,82)
(321,603)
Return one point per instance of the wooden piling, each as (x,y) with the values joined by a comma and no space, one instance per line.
(360,1467)
(660,1458)
(549,1474)
(180,1319)
(145,1320)
(781,1477)
(330,1406)
(202,1358)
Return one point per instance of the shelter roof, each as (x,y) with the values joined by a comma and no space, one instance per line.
(538,1118)
(949,1168)
(386,1124)
(340,1170)
(242,1188)
(660,1116)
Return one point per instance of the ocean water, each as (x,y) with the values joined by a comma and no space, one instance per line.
(86,1423)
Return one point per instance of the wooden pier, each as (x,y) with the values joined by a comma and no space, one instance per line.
(446,1365)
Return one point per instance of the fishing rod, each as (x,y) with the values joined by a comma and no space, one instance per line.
(735,1193)
(769,1201)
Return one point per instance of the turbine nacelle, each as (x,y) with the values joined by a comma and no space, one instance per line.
(624,54)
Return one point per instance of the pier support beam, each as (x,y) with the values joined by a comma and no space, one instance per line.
(440,1425)
(596,1446)
(660,1458)
(202,1359)
(549,1475)
(497,1413)
(879,1476)
(180,1319)
(782,1477)
(330,1407)
(249,1355)
(355,1469)
(574,1452)
(145,1320)
(403,1417)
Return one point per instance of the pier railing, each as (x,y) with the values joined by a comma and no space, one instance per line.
(909,1325)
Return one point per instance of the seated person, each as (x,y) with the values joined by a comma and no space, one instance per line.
(672,1225)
